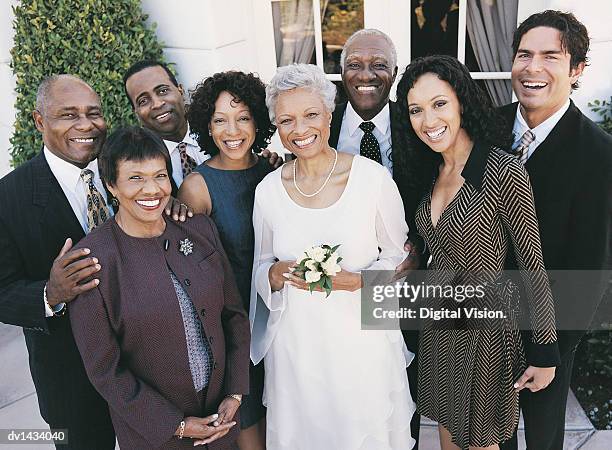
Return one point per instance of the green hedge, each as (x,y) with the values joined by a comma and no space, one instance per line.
(604,109)
(94,39)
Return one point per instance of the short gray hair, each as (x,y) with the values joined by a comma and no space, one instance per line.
(44,88)
(369,32)
(296,76)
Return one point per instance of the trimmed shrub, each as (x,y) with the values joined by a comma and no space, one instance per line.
(95,39)
(604,109)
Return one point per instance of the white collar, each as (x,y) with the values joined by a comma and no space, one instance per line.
(67,173)
(187,139)
(381,120)
(541,131)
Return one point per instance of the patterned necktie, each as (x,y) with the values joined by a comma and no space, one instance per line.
(369,146)
(187,162)
(97,211)
(521,151)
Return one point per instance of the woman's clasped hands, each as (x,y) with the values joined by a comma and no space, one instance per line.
(281,273)
(204,428)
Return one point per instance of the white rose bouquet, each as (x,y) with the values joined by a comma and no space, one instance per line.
(317,266)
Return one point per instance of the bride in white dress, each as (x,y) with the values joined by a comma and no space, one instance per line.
(329,385)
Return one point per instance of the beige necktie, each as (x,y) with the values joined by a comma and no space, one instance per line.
(522,149)
(97,211)
(187,162)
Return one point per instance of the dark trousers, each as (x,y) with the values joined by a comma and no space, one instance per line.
(544,411)
(66,398)
(91,437)
(415,423)
(411,337)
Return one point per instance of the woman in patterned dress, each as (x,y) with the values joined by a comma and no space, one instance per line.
(230,121)
(478,208)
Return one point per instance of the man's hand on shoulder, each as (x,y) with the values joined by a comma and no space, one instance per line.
(68,272)
(273,158)
(177,210)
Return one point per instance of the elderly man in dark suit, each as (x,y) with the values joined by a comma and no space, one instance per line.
(43,211)
(47,205)
(569,161)
(369,125)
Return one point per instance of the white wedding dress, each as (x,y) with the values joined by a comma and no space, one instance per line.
(329,385)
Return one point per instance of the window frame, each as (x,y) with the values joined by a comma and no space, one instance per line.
(377,14)
(462,31)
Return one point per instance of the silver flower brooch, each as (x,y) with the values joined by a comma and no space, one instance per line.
(186,247)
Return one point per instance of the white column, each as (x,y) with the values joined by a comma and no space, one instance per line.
(204,36)
(7,84)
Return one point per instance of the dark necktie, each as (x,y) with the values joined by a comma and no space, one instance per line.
(369,147)
(187,162)
(97,211)
(521,151)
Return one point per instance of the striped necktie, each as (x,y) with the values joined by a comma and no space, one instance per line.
(521,151)
(97,211)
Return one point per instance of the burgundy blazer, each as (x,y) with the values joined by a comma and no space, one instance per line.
(130,332)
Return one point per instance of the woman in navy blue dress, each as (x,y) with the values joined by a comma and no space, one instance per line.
(229,119)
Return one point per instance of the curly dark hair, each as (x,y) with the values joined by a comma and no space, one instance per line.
(246,88)
(574,35)
(479,118)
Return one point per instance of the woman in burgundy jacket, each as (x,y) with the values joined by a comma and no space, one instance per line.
(164,336)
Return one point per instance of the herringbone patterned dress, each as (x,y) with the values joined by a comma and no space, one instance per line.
(466,373)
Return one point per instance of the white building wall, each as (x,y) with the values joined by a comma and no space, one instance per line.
(7,83)
(206,36)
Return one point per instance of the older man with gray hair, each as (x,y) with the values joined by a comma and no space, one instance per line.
(45,207)
(369,125)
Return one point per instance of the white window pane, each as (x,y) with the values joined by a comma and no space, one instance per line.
(490,28)
(293,31)
(339,19)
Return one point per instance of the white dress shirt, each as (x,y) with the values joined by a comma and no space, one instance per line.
(69,178)
(541,132)
(349,140)
(193,150)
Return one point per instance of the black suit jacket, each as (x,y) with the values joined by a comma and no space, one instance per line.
(35,220)
(409,197)
(571,176)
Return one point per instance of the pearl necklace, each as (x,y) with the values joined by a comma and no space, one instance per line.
(324,183)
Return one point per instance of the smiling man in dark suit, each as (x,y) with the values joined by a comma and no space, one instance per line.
(369,125)
(569,161)
(43,212)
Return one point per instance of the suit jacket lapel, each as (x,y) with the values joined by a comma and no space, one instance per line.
(395,124)
(508,112)
(57,219)
(554,154)
(560,138)
(336,124)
